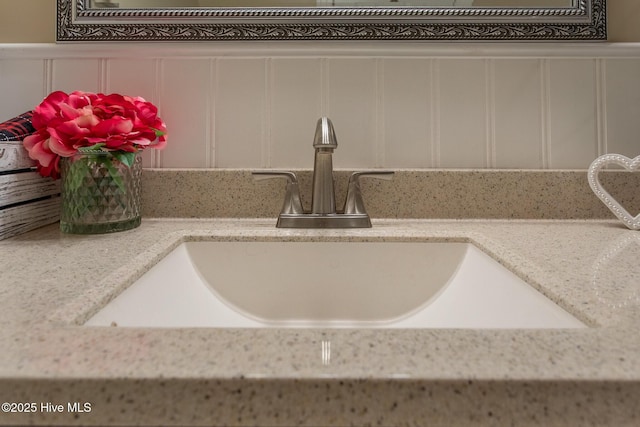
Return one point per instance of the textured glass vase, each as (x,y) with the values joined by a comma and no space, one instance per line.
(100,194)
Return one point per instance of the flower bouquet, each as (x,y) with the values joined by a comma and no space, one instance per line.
(93,142)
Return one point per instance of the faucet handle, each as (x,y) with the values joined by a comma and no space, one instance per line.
(354,203)
(292,203)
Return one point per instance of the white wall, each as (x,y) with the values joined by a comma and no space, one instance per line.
(395,105)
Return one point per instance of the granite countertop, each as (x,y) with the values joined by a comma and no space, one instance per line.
(51,282)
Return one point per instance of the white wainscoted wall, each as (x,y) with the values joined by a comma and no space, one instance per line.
(394,105)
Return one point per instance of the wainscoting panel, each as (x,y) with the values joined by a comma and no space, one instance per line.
(463,103)
(572,114)
(399,105)
(185,99)
(622,104)
(69,75)
(22,85)
(241,133)
(518,138)
(405,115)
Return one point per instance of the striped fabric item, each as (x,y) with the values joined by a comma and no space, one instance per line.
(18,128)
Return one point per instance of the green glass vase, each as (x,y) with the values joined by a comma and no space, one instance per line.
(100,193)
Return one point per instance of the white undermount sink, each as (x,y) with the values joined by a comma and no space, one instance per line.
(331,284)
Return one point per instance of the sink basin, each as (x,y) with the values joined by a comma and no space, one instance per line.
(331,284)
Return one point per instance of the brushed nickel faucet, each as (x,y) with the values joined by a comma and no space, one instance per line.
(323,212)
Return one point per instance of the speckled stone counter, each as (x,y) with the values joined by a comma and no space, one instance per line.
(51,282)
(412,193)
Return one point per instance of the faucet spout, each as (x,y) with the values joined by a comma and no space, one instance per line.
(323,198)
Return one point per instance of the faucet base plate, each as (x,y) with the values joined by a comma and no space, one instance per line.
(311,220)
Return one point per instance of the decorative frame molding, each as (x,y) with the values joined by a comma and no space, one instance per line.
(77,22)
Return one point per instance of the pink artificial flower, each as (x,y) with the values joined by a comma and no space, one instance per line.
(66,122)
(38,147)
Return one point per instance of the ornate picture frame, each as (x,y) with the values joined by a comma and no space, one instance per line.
(78,22)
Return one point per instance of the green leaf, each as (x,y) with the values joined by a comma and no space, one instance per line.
(125,158)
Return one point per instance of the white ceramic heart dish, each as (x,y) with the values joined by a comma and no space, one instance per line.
(633,222)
